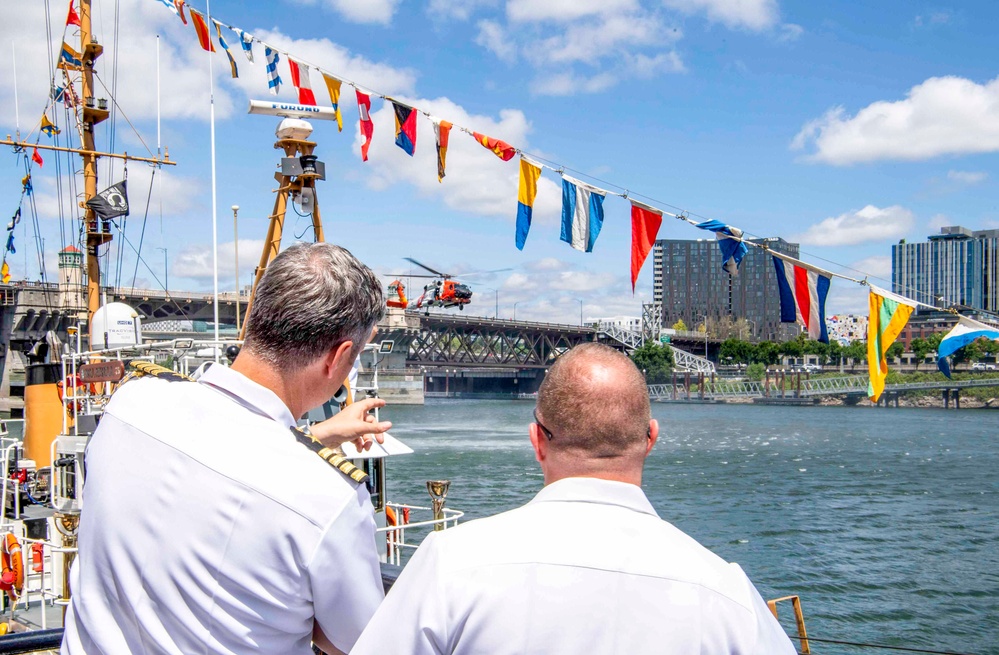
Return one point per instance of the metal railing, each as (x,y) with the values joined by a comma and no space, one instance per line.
(397,544)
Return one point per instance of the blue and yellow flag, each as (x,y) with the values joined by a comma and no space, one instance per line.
(528,190)
(225,46)
(333,86)
(889,314)
(48,126)
(69,58)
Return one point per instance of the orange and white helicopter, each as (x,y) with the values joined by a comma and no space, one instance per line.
(443,291)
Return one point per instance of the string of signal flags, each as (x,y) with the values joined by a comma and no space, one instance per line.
(803,286)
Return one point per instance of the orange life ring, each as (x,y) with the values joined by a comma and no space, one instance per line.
(12,577)
(79,388)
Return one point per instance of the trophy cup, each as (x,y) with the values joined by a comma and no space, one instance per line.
(438,493)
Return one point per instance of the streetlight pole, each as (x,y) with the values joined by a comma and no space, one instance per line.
(515,310)
(495,291)
(235,243)
(705,336)
(166,273)
(580,311)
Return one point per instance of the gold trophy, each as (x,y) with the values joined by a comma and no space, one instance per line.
(438,493)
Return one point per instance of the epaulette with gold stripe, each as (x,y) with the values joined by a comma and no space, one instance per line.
(141,367)
(332,457)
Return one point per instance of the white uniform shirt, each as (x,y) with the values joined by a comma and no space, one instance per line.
(586,567)
(207,528)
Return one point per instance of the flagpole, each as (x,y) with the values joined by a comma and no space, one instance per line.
(17,113)
(215,221)
(158,143)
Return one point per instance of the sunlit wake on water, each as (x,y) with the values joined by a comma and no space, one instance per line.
(885,521)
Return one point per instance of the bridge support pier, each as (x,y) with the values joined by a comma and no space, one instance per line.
(957,399)
(946,398)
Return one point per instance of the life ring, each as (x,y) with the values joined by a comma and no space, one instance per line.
(79,389)
(12,577)
(395,538)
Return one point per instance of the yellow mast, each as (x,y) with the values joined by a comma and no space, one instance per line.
(96,237)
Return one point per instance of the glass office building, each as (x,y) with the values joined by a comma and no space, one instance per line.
(956,267)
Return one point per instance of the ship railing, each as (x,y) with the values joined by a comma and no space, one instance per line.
(40,587)
(405,537)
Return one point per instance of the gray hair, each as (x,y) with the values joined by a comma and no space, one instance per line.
(596,403)
(312,298)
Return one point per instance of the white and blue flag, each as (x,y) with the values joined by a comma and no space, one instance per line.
(582,213)
(245,40)
(966,331)
(273,79)
(732,250)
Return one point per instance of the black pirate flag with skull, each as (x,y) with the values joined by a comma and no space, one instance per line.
(111,202)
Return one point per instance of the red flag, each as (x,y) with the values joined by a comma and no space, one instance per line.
(645,224)
(37,158)
(73,18)
(501,149)
(300,78)
(179,4)
(367,127)
(201,27)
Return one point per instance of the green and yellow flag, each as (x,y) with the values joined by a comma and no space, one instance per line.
(889,314)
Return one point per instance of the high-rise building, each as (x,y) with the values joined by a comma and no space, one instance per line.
(689,284)
(956,267)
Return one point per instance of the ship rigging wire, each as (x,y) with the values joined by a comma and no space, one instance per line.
(861,644)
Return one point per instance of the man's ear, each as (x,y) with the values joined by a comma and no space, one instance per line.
(539,444)
(653,436)
(336,356)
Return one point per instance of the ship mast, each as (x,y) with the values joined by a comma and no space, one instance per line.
(96,236)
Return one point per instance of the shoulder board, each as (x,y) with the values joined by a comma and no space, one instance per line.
(141,368)
(332,457)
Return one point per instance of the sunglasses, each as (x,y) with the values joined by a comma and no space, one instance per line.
(544,430)
(548,433)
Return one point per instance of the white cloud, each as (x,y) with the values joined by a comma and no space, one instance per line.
(456,9)
(566,84)
(790,32)
(878,266)
(589,42)
(361,11)
(941,116)
(967,178)
(477,182)
(194,261)
(868,224)
(938,221)
(332,57)
(182,95)
(493,37)
(756,15)
(565,10)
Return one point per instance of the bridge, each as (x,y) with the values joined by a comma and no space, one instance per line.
(796,387)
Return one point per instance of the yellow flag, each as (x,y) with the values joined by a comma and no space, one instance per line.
(333,86)
(5,273)
(889,314)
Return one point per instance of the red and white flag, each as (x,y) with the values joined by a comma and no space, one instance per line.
(367,126)
(300,78)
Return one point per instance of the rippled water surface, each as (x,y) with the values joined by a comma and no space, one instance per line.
(884,521)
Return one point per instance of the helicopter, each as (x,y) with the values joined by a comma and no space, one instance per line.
(443,291)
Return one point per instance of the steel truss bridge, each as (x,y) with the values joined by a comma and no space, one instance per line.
(794,386)
(471,342)
(441,339)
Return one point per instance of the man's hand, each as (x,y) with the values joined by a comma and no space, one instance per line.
(353,423)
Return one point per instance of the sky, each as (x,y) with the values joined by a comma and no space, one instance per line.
(843,126)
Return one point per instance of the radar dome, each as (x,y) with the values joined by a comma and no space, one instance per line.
(115,325)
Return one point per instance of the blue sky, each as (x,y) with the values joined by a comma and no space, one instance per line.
(846,126)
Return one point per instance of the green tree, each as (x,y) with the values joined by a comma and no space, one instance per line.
(766,352)
(755,371)
(680,326)
(857,351)
(920,348)
(834,353)
(736,350)
(895,350)
(655,360)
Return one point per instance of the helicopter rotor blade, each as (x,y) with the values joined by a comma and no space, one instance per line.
(498,270)
(424,266)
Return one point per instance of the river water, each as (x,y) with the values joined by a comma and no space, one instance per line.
(884,521)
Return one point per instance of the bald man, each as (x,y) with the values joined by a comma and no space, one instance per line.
(587,566)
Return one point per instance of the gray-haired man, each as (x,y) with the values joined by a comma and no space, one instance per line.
(208,527)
